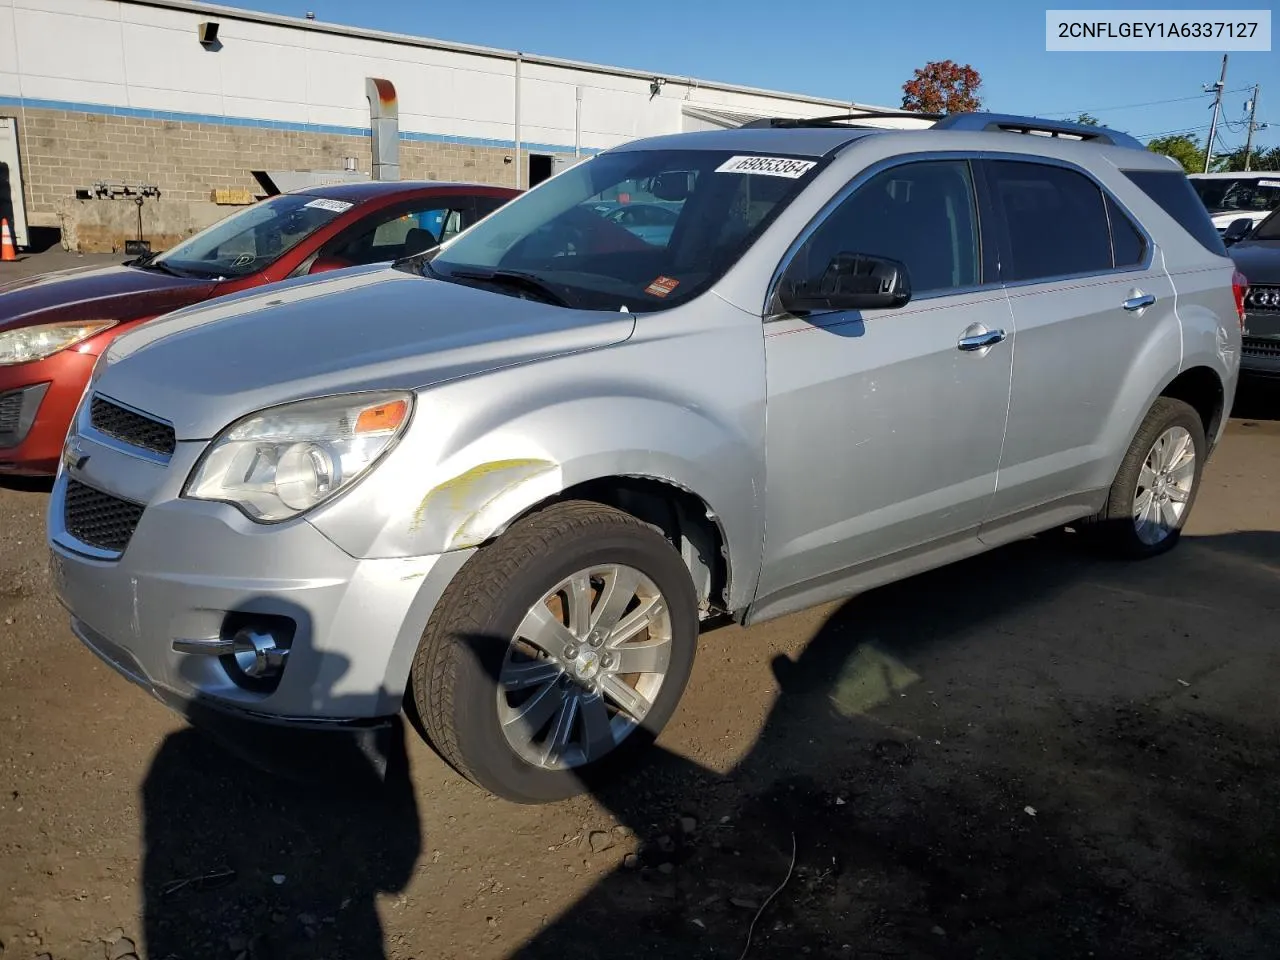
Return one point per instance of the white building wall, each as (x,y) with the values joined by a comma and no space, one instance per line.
(103,54)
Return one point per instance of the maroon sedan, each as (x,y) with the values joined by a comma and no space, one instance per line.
(53,327)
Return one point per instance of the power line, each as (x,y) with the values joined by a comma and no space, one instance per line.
(1169,133)
(1128,106)
(1134,106)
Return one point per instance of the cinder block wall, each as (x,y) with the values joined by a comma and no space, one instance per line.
(63,150)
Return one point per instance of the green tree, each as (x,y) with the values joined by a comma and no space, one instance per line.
(1260,159)
(1088,119)
(1182,148)
(943,86)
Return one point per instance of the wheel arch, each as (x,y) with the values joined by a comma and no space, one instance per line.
(677,512)
(1203,390)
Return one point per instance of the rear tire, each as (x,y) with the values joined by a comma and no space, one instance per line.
(1156,486)
(492,663)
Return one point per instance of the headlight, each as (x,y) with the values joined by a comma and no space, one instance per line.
(282,461)
(46,339)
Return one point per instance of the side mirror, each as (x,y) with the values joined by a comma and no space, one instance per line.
(670,186)
(852,281)
(1238,230)
(325,264)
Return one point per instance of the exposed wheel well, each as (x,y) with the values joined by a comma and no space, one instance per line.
(679,515)
(1202,389)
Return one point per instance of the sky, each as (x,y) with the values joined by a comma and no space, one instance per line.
(856,51)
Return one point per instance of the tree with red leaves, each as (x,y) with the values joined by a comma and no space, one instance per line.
(943,86)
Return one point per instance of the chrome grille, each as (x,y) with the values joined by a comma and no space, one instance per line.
(1262,299)
(1261,347)
(132,428)
(99,519)
(10,411)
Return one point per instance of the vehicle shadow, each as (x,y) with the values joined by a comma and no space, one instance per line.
(998,759)
(1024,755)
(248,854)
(22,484)
(1257,398)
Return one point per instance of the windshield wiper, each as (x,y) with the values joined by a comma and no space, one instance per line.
(143,260)
(513,279)
(162,267)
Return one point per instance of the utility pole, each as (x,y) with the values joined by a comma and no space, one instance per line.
(1253,115)
(1217,110)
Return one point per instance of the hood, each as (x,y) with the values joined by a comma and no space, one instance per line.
(1225,218)
(366,328)
(96,293)
(1258,260)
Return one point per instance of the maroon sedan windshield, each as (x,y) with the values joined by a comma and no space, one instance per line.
(252,239)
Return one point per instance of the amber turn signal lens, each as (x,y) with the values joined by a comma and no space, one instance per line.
(385,416)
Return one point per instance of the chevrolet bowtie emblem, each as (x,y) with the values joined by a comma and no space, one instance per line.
(73,455)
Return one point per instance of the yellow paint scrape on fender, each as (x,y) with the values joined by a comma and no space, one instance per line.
(468,508)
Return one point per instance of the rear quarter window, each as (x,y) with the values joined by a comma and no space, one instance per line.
(1173,192)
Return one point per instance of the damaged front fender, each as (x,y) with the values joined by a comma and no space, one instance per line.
(466,510)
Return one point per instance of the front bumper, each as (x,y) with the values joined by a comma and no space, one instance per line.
(1260,350)
(50,390)
(191,570)
(1260,356)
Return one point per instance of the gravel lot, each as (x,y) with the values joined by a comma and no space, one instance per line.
(1032,754)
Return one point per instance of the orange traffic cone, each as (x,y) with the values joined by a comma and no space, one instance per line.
(7,252)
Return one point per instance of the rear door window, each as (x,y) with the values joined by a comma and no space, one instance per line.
(1055,221)
(1173,192)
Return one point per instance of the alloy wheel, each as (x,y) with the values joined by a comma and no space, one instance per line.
(1164,485)
(584,667)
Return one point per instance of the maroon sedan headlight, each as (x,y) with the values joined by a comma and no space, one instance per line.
(45,339)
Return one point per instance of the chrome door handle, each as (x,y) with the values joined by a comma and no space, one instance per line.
(1140,302)
(980,341)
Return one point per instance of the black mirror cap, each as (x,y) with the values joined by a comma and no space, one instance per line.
(672,186)
(1238,230)
(852,281)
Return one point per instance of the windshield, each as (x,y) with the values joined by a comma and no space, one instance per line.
(644,230)
(1268,229)
(250,240)
(1246,194)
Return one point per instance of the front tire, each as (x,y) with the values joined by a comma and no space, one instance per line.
(1156,485)
(557,652)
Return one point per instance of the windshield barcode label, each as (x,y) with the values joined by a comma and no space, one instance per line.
(767,166)
(333,206)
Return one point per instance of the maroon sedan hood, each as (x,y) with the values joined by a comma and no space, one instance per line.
(97,293)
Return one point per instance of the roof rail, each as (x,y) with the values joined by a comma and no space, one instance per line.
(838,120)
(1035,125)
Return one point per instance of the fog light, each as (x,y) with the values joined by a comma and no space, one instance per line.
(257,653)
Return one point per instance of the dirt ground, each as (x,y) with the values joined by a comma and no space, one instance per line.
(1033,754)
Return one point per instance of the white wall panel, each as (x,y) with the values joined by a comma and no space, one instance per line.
(265,71)
(158,57)
(74,91)
(76,8)
(126,54)
(8,42)
(176,101)
(68,47)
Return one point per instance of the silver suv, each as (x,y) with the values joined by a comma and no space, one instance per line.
(507,479)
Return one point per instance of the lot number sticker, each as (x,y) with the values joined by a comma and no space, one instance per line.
(768,166)
(662,286)
(333,206)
